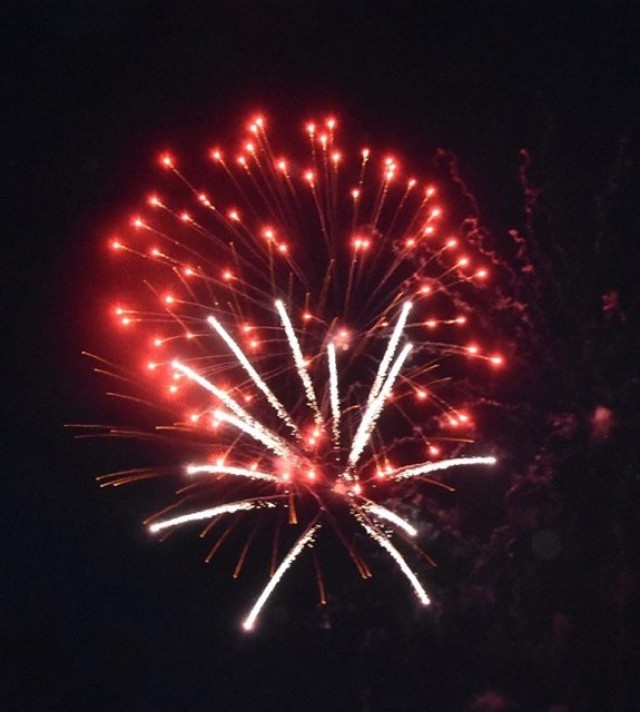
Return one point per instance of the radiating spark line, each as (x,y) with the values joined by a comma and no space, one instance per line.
(389,352)
(334,393)
(299,361)
(295,550)
(255,376)
(249,425)
(383,513)
(231,508)
(257,431)
(426,467)
(293,515)
(245,550)
(374,409)
(399,559)
(221,540)
(319,580)
(229,470)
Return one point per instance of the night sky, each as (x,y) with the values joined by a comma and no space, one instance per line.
(97,615)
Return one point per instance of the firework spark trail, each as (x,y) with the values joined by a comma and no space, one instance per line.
(243,420)
(426,467)
(389,352)
(255,376)
(232,471)
(301,365)
(209,513)
(334,393)
(303,541)
(256,431)
(374,409)
(377,510)
(384,542)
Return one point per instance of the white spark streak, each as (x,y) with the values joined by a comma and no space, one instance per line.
(229,470)
(374,409)
(209,513)
(258,432)
(383,513)
(303,541)
(389,353)
(243,420)
(334,393)
(398,558)
(255,376)
(426,467)
(299,361)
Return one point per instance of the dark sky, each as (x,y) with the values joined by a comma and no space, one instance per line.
(93,614)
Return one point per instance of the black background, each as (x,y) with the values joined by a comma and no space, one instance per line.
(94,615)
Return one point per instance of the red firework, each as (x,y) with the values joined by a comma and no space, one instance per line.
(294,312)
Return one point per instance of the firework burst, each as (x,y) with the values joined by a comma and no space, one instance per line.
(292,314)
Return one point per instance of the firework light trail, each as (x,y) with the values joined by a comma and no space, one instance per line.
(290,313)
